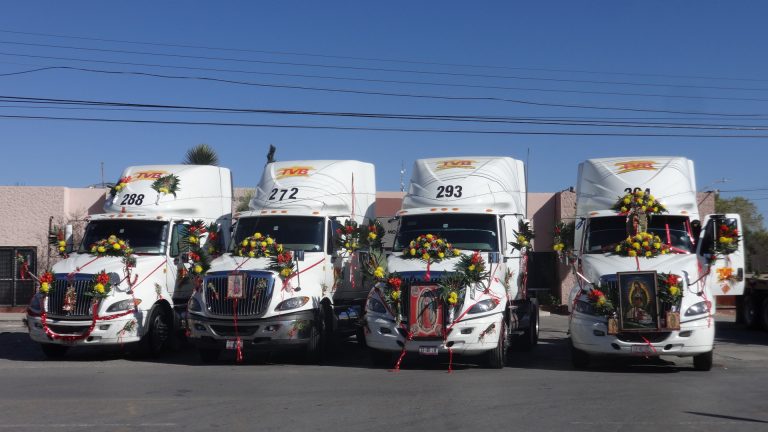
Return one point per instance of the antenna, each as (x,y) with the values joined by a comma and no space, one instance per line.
(402,176)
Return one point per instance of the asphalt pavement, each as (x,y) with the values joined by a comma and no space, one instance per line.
(539,391)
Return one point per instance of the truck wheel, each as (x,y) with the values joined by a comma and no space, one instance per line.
(530,336)
(155,341)
(579,358)
(382,359)
(316,349)
(208,355)
(748,312)
(764,314)
(497,357)
(54,351)
(703,362)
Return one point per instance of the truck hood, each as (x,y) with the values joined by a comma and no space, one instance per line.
(89,264)
(396,263)
(229,262)
(596,265)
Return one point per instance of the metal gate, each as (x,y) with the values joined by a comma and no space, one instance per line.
(15,288)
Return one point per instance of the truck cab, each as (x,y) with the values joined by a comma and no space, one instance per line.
(475,205)
(298,207)
(646,264)
(146,290)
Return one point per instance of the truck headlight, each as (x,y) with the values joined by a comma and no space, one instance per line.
(483,306)
(194,305)
(292,303)
(376,306)
(123,305)
(697,309)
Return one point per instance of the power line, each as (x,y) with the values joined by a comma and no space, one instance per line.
(374,69)
(388,60)
(378,129)
(381,93)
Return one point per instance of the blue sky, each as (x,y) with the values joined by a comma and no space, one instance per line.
(561,53)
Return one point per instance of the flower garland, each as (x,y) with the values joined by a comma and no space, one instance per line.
(258,245)
(430,248)
(119,186)
(600,302)
(283,264)
(166,185)
(101,286)
(111,246)
(348,237)
(523,235)
(642,244)
(46,282)
(670,289)
(727,239)
(637,199)
(371,236)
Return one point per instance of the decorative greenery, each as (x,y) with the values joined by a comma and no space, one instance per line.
(430,248)
(727,239)
(453,287)
(112,246)
(370,236)
(283,264)
(101,286)
(641,245)
(57,240)
(638,200)
(201,154)
(348,237)
(472,267)
(119,186)
(46,282)
(257,246)
(167,184)
(562,238)
(601,303)
(670,288)
(523,236)
(200,263)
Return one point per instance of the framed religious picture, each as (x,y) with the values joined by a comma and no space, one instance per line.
(426,317)
(235,286)
(638,302)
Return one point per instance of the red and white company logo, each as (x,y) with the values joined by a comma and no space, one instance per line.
(295,171)
(639,165)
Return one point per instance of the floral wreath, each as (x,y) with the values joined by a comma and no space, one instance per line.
(258,245)
(101,286)
(283,264)
(638,200)
(57,240)
(470,269)
(562,239)
(727,239)
(670,288)
(46,282)
(119,186)
(430,248)
(523,235)
(601,303)
(166,184)
(348,237)
(372,235)
(115,247)
(642,244)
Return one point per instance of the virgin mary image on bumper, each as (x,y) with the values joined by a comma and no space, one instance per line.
(638,303)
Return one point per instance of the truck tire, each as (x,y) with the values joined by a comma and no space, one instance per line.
(497,357)
(764,314)
(530,336)
(208,355)
(703,362)
(317,347)
(579,359)
(155,340)
(748,311)
(54,351)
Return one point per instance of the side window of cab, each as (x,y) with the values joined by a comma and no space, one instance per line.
(333,226)
(176,235)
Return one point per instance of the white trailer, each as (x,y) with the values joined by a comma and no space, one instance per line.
(476,204)
(146,299)
(299,205)
(630,251)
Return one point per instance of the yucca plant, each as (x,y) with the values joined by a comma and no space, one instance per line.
(201,154)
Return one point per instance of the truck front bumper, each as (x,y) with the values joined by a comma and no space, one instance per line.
(118,331)
(590,335)
(263,334)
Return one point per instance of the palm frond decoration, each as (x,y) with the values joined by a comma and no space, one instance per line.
(201,154)
(167,184)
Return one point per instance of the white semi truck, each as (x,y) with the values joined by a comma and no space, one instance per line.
(142,294)
(298,208)
(648,268)
(475,205)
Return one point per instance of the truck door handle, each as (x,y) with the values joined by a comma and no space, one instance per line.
(740,274)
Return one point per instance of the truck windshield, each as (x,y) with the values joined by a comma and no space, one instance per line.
(293,232)
(464,231)
(604,233)
(144,236)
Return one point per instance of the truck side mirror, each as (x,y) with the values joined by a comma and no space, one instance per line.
(494,257)
(68,238)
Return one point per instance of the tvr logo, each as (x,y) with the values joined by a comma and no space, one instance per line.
(640,165)
(455,163)
(295,171)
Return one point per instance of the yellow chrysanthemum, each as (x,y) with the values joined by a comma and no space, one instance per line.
(413,252)
(453,298)
(636,245)
(456,252)
(198,269)
(257,236)
(425,256)
(285,272)
(441,255)
(648,253)
(263,244)
(674,290)
(99,288)
(244,243)
(601,300)
(372,236)
(252,254)
(471,267)
(395,295)
(378,273)
(101,249)
(632,253)
(45,287)
(62,243)
(269,240)
(429,237)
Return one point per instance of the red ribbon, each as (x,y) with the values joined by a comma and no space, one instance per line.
(426,276)
(402,353)
(238,342)
(649,344)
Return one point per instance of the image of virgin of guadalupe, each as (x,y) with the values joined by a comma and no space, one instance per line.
(638,312)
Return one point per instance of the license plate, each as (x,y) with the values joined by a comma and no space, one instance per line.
(642,349)
(428,350)
(232,344)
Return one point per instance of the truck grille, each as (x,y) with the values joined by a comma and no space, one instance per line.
(257,293)
(82,305)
